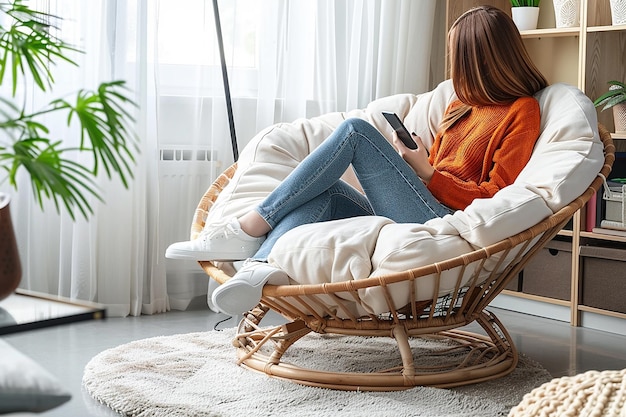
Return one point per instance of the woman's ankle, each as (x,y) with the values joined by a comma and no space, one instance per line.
(253,224)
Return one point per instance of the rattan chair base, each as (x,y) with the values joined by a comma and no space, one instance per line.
(478,358)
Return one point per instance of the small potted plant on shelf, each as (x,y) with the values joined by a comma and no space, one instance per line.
(525,13)
(102,117)
(618,12)
(615,98)
(566,13)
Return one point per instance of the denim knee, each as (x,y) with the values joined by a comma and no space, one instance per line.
(359,125)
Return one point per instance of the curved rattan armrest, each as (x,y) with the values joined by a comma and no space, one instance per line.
(207,200)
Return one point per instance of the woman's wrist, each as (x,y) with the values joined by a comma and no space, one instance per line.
(428,174)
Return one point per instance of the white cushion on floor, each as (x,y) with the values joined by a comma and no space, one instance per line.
(25,385)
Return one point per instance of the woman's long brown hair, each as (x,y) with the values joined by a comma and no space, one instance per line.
(489,64)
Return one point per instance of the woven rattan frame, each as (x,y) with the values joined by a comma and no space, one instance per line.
(488,356)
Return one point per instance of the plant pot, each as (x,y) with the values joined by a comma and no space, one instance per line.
(567,13)
(10,268)
(525,18)
(619,118)
(618,12)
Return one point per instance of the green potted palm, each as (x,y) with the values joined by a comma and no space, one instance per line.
(525,13)
(102,118)
(615,98)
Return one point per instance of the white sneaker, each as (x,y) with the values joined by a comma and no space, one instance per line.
(223,242)
(243,291)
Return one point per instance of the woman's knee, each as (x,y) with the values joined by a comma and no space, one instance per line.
(358,125)
(363,128)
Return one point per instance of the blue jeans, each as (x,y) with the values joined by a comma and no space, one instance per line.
(314,192)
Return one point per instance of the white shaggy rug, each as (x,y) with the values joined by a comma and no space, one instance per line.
(196,375)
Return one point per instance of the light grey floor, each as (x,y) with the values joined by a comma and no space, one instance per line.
(65,350)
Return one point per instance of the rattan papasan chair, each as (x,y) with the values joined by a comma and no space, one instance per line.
(378,279)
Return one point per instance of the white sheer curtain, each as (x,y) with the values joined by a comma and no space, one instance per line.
(104,258)
(286,59)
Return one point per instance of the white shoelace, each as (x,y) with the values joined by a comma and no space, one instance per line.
(221,230)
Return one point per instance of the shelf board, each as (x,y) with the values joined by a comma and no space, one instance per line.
(602,312)
(610,28)
(534,297)
(551,33)
(602,236)
(618,135)
(568,32)
(565,232)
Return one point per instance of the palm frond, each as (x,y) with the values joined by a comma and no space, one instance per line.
(52,175)
(29,50)
(29,46)
(106,131)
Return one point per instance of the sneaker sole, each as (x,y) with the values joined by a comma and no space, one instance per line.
(237,297)
(207,256)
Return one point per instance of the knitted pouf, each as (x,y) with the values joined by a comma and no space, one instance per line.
(592,393)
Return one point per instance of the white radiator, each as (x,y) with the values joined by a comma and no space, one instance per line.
(184,176)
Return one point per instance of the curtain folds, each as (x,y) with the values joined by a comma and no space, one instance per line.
(286,59)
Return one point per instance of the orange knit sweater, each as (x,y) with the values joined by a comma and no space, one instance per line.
(483,152)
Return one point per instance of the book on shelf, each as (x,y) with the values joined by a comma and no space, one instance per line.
(595,209)
(600,207)
(591,213)
(611,232)
(610,224)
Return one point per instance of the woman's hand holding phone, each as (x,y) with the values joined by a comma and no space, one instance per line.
(410,148)
(416,158)
(400,130)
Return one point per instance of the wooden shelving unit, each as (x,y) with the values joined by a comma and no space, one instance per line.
(587,56)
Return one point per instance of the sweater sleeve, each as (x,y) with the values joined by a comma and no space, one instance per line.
(504,159)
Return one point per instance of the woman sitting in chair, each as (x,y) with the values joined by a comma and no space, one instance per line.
(485,139)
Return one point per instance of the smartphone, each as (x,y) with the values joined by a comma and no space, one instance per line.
(403,134)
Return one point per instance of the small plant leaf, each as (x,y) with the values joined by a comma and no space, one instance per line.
(612,97)
(525,3)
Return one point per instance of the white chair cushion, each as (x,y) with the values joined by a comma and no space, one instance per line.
(567,157)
